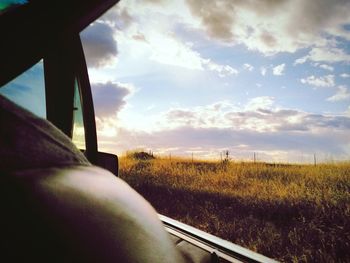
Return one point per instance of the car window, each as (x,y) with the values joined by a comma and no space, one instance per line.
(5,5)
(28,90)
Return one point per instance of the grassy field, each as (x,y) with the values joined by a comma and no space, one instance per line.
(293,213)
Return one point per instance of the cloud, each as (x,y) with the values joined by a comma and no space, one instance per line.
(274,132)
(325,54)
(341,94)
(215,16)
(271,27)
(263,71)
(248,67)
(166,49)
(301,60)
(278,70)
(139,37)
(324,81)
(155,40)
(344,75)
(347,112)
(118,17)
(109,98)
(99,45)
(326,67)
(223,70)
(263,102)
(260,114)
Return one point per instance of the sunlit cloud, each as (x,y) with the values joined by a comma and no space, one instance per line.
(274,26)
(294,133)
(248,67)
(222,70)
(167,50)
(325,54)
(263,102)
(157,41)
(341,94)
(279,70)
(327,67)
(324,81)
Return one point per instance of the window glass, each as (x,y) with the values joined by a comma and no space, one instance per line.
(78,123)
(232,117)
(5,4)
(28,90)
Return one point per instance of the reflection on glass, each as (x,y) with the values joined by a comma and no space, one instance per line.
(4,4)
(28,90)
(78,123)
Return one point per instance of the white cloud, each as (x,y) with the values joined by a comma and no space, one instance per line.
(341,94)
(248,67)
(300,60)
(327,67)
(347,112)
(263,71)
(166,49)
(222,70)
(263,102)
(344,75)
(324,81)
(330,54)
(279,70)
(325,54)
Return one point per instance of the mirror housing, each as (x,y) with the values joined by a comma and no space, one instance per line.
(107,161)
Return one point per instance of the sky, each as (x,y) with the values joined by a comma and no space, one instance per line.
(202,77)
(183,77)
(190,76)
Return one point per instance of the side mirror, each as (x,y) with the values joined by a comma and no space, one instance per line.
(108,161)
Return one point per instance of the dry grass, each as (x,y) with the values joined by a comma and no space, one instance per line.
(294,213)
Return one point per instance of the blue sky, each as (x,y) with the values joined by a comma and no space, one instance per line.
(28,90)
(270,77)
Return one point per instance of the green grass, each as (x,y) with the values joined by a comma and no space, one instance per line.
(293,213)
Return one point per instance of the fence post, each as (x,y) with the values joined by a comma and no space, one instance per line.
(315,163)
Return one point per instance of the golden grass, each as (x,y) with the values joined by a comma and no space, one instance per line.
(294,213)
